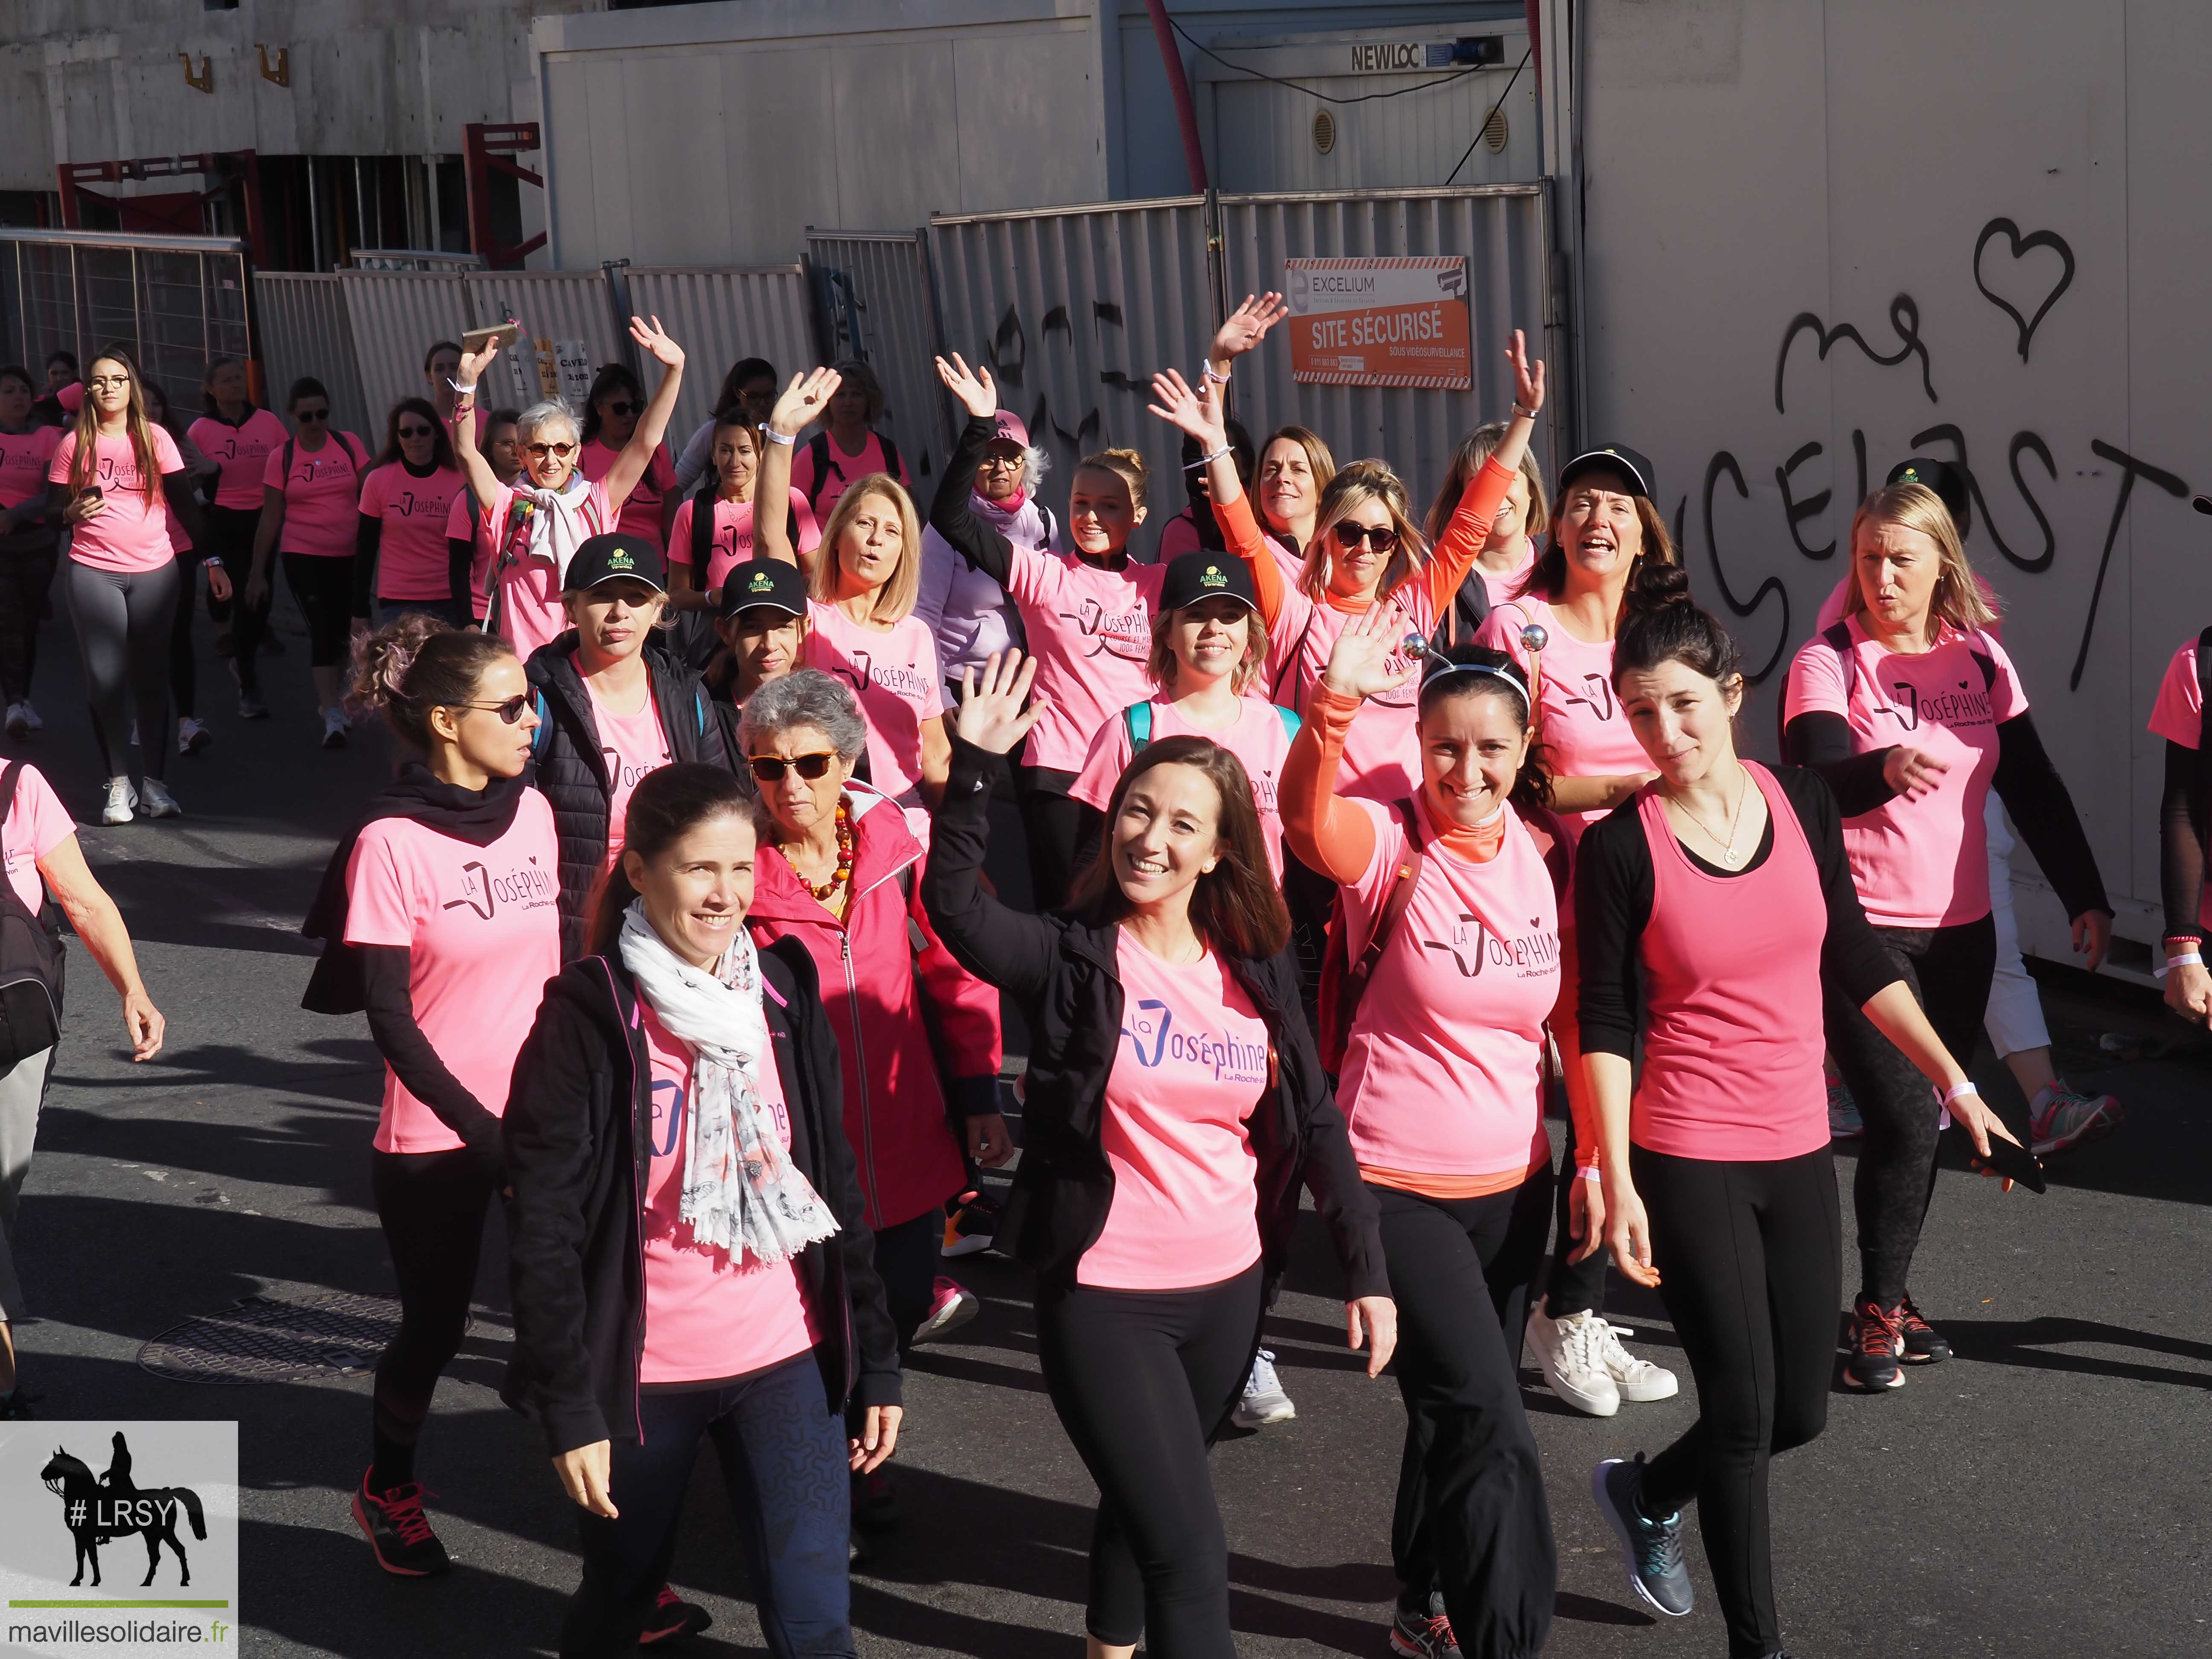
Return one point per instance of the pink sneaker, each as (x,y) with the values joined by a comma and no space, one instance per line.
(954,1307)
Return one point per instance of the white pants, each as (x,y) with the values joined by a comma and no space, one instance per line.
(21,1091)
(2014,1017)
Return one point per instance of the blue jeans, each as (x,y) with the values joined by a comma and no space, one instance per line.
(782,1454)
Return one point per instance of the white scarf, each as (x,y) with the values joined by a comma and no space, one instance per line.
(559,521)
(741,1191)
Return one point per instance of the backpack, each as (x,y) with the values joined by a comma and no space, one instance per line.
(1137,717)
(825,463)
(345,441)
(31,962)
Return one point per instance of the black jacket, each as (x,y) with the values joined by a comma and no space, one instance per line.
(578,1132)
(568,765)
(1063,971)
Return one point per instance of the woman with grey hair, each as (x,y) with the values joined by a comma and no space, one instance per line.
(841,871)
(536,524)
(968,611)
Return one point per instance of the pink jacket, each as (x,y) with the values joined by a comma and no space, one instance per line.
(896,1000)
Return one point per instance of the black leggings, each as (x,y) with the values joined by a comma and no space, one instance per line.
(1571,1287)
(1052,824)
(1750,1256)
(1471,1518)
(122,620)
(235,530)
(27,577)
(1143,1381)
(1949,970)
(432,1206)
(907,1257)
(323,588)
(1311,898)
(183,681)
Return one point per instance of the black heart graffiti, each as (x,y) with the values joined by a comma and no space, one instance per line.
(2020,246)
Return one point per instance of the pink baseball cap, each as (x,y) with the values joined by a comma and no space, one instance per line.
(1010,430)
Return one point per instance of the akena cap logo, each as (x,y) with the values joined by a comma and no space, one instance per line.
(619,558)
(1911,475)
(760,583)
(1213,577)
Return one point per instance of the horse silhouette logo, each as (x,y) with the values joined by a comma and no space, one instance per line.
(99,1509)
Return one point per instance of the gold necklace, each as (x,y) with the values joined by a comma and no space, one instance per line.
(1729,856)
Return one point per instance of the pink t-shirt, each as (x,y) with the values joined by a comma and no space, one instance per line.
(1443,1069)
(632,745)
(1179,535)
(1258,737)
(71,396)
(844,471)
(732,543)
(1580,720)
(2178,717)
(1381,750)
(322,496)
(1090,630)
(24,458)
(1732,986)
(1499,585)
(127,533)
(529,612)
(893,672)
(242,453)
(410,558)
(1921,863)
(1192,1064)
(641,513)
(37,824)
(462,525)
(483,924)
(705,1316)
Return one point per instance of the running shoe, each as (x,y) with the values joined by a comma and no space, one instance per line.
(1426,1635)
(334,728)
(1844,1123)
(954,1307)
(31,720)
(1877,1338)
(875,1504)
(970,1225)
(18,726)
(1652,1549)
(1638,1379)
(1264,1400)
(155,795)
(1923,1345)
(397,1529)
(122,802)
(2063,1117)
(251,707)
(1571,1352)
(671,1617)
(191,736)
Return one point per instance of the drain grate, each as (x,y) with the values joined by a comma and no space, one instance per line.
(259,1339)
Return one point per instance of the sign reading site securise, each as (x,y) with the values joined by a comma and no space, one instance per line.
(1380,322)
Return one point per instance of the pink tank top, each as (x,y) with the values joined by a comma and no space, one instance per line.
(1732,1061)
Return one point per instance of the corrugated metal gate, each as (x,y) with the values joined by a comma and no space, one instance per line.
(304,330)
(719,317)
(879,305)
(394,317)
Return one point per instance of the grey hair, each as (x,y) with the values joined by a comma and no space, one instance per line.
(553,412)
(806,697)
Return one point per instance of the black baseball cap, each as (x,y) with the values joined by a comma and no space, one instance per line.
(768,584)
(603,558)
(1948,481)
(1617,458)
(1202,575)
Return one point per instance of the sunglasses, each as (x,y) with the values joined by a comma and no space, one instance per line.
(1381,537)
(508,712)
(623,409)
(418,431)
(310,416)
(770,769)
(559,452)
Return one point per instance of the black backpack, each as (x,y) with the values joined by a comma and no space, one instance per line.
(825,462)
(31,965)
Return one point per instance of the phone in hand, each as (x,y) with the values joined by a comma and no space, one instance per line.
(499,337)
(2013,1161)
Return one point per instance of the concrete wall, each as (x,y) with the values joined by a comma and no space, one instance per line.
(1749,163)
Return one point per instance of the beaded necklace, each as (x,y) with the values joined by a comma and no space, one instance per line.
(844,872)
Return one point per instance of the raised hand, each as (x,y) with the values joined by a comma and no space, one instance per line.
(665,350)
(1358,665)
(973,387)
(474,363)
(805,401)
(1198,413)
(1247,326)
(991,714)
(1527,377)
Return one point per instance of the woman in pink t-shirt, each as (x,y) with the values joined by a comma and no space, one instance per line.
(115,479)
(402,559)
(848,448)
(1509,555)
(1721,900)
(691,1259)
(612,410)
(713,532)
(238,437)
(1912,714)
(39,854)
(1294,465)
(439,918)
(29,542)
(1175,1107)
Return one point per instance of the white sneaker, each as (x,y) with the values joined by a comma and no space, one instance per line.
(158,801)
(31,720)
(1571,1351)
(122,804)
(192,736)
(1638,1379)
(334,728)
(1264,1400)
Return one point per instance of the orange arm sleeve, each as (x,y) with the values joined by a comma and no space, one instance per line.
(1329,835)
(1463,542)
(1242,532)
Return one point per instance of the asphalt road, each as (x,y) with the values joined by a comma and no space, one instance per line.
(2045,1493)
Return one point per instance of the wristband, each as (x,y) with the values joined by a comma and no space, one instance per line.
(1213,373)
(468,391)
(1207,460)
(775,437)
(2185,959)
(1959,1088)
(1523,414)
(212,562)
(1589,1172)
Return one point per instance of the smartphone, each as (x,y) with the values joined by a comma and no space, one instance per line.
(2011,1159)
(499,337)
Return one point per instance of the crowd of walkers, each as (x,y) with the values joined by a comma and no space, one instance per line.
(1355,841)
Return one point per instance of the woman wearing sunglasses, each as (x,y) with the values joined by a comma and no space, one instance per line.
(400,552)
(536,524)
(612,412)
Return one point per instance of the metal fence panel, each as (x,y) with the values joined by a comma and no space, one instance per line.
(554,305)
(719,317)
(1073,310)
(395,317)
(304,329)
(877,296)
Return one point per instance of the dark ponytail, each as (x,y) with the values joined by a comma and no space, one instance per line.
(1663,623)
(1476,670)
(668,804)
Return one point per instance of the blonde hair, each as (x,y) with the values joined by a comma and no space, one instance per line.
(1162,662)
(895,598)
(135,426)
(1356,484)
(1321,460)
(1126,465)
(1957,597)
(1478,447)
